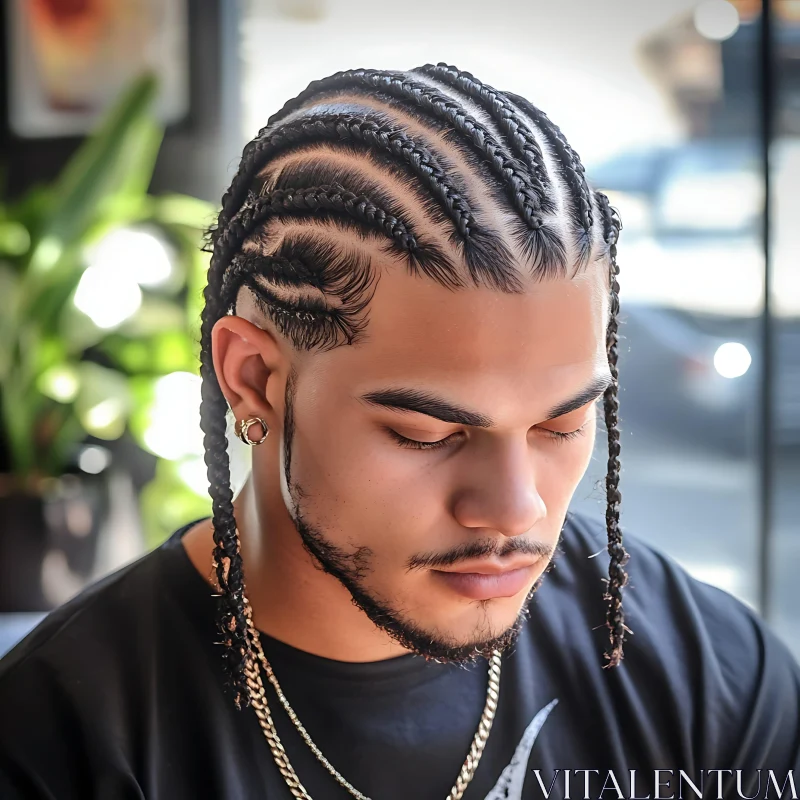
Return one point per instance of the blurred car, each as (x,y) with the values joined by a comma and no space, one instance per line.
(691,277)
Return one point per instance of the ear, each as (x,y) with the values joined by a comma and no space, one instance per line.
(246,358)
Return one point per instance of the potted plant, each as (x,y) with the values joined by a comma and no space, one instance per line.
(100,290)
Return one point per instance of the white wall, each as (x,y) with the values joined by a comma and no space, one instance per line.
(575,59)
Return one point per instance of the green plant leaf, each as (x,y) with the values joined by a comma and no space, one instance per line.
(44,338)
(9,288)
(143,394)
(59,381)
(104,165)
(17,426)
(155,315)
(181,209)
(78,331)
(69,434)
(119,210)
(160,354)
(47,305)
(15,240)
(103,402)
(196,283)
(31,208)
(140,160)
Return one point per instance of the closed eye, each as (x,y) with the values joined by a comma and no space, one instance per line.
(561,436)
(415,444)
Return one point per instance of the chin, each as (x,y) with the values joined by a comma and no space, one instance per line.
(471,631)
(451,647)
(483,619)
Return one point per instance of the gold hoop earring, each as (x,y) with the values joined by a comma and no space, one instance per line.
(244,426)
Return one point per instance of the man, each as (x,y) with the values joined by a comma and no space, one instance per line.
(411,312)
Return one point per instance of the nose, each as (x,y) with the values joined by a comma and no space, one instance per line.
(499,492)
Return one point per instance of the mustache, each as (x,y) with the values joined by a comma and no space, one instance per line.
(480,548)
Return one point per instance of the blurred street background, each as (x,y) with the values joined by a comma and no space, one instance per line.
(123,122)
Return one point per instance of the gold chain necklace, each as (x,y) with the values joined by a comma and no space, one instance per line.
(261,707)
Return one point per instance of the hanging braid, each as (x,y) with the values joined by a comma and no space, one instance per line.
(290,188)
(617,577)
(231,621)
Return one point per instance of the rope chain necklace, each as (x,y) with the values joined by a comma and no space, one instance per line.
(259,702)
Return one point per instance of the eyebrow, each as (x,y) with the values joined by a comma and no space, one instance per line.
(422,402)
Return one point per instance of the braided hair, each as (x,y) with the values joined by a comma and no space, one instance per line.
(312,171)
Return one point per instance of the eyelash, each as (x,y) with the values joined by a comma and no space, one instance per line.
(413,444)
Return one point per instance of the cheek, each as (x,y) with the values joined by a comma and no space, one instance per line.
(573,458)
(564,466)
(355,475)
(362,494)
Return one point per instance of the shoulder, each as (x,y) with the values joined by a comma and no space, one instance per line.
(66,690)
(665,605)
(80,628)
(694,642)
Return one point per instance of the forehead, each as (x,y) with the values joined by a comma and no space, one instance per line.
(548,340)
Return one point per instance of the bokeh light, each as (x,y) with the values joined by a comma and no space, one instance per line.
(93,459)
(60,382)
(106,298)
(136,254)
(174,431)
(716,19)
(732,360)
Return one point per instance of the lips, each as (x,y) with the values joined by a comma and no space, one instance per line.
(487,584)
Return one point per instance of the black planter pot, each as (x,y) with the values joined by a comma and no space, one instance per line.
(48,538)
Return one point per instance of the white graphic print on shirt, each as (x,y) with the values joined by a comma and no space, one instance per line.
(509,786)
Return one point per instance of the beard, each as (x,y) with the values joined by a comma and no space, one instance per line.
(352,568)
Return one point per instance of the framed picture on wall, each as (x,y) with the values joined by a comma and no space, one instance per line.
(68,60)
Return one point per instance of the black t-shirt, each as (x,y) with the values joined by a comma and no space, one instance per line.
(118,694)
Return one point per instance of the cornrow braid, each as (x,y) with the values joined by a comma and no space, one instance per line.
(293,277)
(618,578)
(503,113)
(334,198)
(508,169)
(576,176)
(378,136)
(571,168)
(540,240)
(482,260)
(282,271)
(347,277)
(331,198)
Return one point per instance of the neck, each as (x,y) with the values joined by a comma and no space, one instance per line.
(292,599)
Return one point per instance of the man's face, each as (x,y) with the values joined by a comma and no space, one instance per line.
(442,546)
